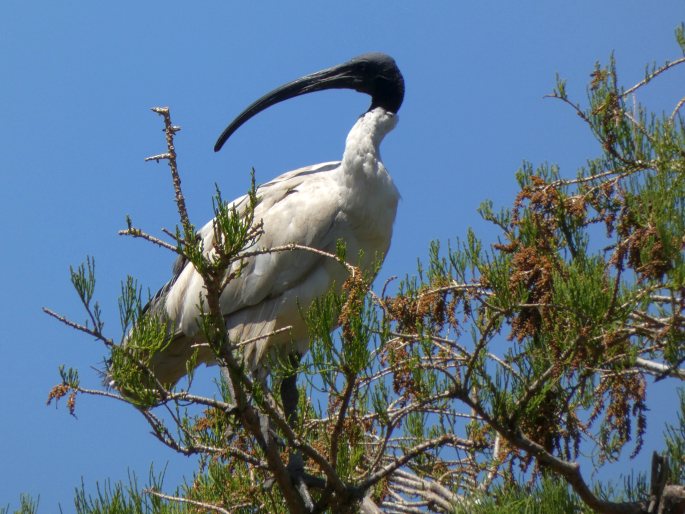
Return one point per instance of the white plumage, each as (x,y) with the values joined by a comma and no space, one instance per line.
(354,200)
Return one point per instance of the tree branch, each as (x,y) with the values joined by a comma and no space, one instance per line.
(204,505)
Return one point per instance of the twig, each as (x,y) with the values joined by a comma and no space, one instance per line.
(179,499)
(171,234)
(258,338)
(680,103)
(158,157)
(541,381)
(161,432)
(659,369)
(137,233)
(652,75)
(569,470)
(335,436)
(97,392)
(408,456)
(492,473)
(169,131)
(294,246)
(81,328)
(431,490)
(251,340)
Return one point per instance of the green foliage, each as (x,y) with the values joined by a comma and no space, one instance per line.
(680,36)
(124,498)
(234,225)
(223,483)
(129,364)
(492,366)
(27,505)
(549,496)
(674,436)
(130,303)
(83,280)
(569,296)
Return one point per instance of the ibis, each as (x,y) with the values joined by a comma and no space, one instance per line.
(353,200)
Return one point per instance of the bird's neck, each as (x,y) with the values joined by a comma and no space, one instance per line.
(362,151)
(371,196)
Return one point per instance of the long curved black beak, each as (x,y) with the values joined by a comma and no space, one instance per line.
(375,74)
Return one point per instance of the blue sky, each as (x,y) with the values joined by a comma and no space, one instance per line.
(78,80)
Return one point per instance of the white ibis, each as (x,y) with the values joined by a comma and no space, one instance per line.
(354,200)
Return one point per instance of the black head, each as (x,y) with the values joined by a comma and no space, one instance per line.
(375,74)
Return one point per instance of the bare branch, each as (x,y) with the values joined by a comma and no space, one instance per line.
(569,470)
(170,130)
(265,336)
(428,489)
(138,233)
(81,328)
(407,457)
(196,503)
(294,246)
(678,106)
(656,368)
(652,75)
(342,413)
(492,472)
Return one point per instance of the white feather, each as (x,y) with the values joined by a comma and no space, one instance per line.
(353,200)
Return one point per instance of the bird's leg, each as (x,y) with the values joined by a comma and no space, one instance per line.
(290,397)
